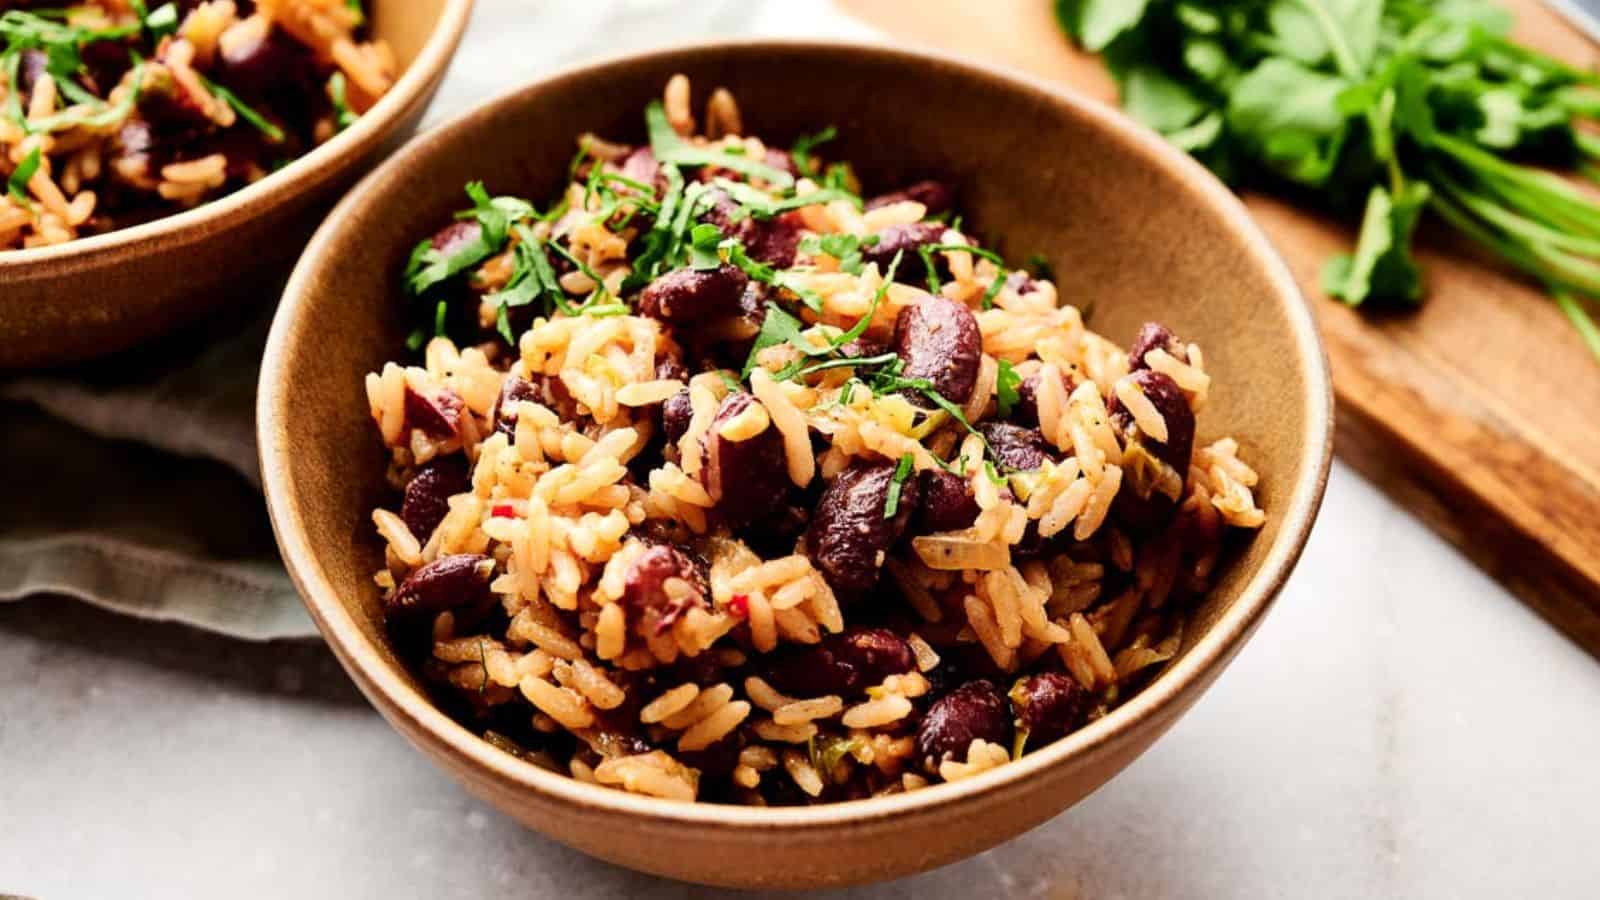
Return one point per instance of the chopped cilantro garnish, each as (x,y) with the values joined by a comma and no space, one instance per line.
(17,185)
(429,266)
(502,324)
(754,202)
(703,241)
(440,311)
(790,330)
(669,148)
(840,177)
(564,253)
(532,278)
(861,362)
(766,274)
(162,22)
(901,472)
(60,41)
(1005,388)
(415,340)
(886,383)
(273,133)
(73,118)
(846,248)
(779,327)
(343,116)
(660,242)
(927,251)
(803,145)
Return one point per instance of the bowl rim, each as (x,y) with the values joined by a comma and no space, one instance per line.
(437,733)
(304,172)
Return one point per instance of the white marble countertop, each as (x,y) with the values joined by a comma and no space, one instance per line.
(1399,727)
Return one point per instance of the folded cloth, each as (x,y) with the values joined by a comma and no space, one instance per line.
(134,483)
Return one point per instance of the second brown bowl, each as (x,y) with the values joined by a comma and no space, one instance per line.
(100,294)
(1134,227)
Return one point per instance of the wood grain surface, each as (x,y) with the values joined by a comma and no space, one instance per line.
(1479,412)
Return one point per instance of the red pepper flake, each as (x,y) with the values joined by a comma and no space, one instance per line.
(739,604)
(503,511)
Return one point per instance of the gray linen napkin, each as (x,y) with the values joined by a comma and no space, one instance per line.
(132,483)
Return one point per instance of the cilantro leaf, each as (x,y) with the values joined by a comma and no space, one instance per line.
(17,185)
(429,266)
(800,152)
(703,241)
(1005,389)
(902,471)
(1096,23)
(343,116)
(1382,264)
(272,132)
(668,147)
(846,248)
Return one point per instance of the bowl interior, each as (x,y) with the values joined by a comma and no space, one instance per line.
(1134,232)
(406,25)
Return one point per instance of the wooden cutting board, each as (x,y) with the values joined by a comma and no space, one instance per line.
(1480,412)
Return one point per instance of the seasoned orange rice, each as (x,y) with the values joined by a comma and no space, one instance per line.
(720,482)
(114,112)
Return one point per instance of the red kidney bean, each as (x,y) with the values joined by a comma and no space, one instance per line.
(31,66)
(428,493)
(455,236)
(449,582)
(849,537)
(545,390)
(644,587)
(1139,506)
(946,503)
(842,664)
(938,339)
(974,711)
(641,166)
(1016,448)
(686,296)
(264,64)
(863,347)
(749,478)
(670,367)
(1026,412)
(935,195)
(513,390)
(1169,400)
(676,412)
(1048,706)
(1155,335)
(717,760)
(437,414)
(904,240)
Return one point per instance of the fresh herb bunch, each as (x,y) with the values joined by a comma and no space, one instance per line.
(1409,105)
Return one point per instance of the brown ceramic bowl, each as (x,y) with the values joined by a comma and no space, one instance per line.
(1132,225)
(108,292)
